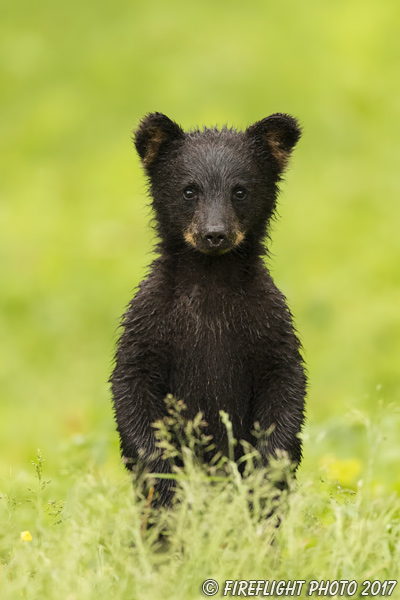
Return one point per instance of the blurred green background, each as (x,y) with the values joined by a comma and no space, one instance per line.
(75,79)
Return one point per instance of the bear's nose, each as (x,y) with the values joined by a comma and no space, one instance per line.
(215,237)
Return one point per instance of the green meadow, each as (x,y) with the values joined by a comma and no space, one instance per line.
(76,239)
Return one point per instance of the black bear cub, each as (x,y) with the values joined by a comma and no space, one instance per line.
(208,324)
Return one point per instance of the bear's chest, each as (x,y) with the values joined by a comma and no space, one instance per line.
(211,348)
(214,320)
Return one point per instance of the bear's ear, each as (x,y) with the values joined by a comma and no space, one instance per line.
(154,133)
(278,134)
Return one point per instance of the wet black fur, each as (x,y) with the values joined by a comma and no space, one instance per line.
(213,330)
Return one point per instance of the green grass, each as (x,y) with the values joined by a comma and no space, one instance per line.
(96,541)
(74,242)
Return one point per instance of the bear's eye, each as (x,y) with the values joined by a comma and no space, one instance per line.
(239,193)
(189,193)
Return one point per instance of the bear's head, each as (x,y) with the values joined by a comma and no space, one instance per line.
(214,191)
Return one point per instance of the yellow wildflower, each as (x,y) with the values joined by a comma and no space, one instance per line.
(345,471)
(26,536)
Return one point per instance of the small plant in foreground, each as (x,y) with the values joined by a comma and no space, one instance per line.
(198,472)
(52,508)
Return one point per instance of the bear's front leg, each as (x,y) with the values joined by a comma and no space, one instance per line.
(278,406)
(139,388)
